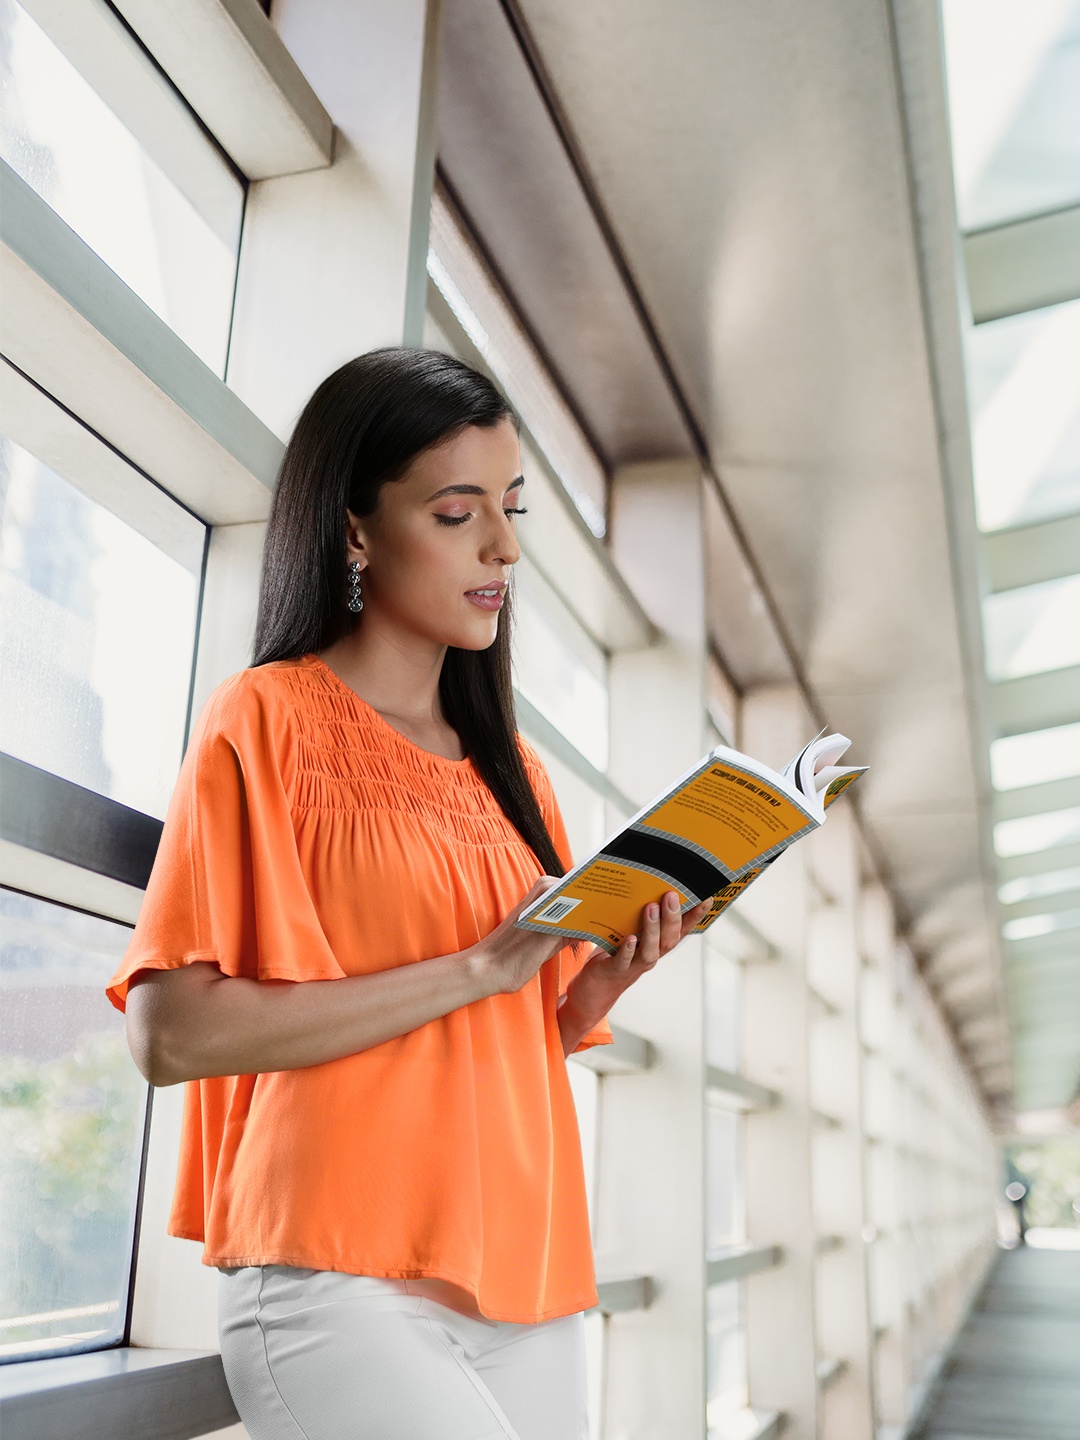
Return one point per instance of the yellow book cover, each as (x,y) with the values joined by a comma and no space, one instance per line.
(707,837)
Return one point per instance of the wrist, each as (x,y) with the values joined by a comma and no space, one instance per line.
(481,973)
(576,1018)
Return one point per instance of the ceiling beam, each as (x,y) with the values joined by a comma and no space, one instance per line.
(1039,862)
(1028,554)
(79,333)
(1037,799)
(1036,702)
(1044,904)
(1059,950)
(1024,265)
(232,67)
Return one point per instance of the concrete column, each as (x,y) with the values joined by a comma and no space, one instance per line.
(333,261)
(882,1025)
(780,1343)
(846,1408)
(650,1204)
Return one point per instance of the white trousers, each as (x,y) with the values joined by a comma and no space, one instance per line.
(320,1355)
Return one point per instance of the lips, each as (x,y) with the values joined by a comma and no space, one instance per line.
(487,597)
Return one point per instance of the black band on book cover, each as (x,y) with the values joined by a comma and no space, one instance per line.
(691,871)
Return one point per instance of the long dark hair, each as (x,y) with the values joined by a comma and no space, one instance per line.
(360,430)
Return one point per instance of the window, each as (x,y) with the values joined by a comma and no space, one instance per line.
(1025,409)
(1035,757)
(1032,628)
(725,1326)
(1037,832)
(72,1111)
(725,1362)
(100,578)
(1014,102)
(558,667)
(99,619)
(90,123)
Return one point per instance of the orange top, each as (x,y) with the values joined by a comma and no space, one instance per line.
(307,839)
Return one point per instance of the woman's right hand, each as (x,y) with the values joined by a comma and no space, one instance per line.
(508,958)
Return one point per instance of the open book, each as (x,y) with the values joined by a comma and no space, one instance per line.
(709,836)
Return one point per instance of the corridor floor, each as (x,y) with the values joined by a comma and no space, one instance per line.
(1015,1373)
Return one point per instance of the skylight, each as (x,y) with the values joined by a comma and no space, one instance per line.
(1029,926)
(1032,629)
(1024,388)
(1037,887)
(1035,758)
(1037,832)
(1014,104)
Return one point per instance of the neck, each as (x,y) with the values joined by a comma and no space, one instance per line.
(398,675)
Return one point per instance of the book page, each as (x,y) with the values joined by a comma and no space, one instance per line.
(602,902)
(733,814)
(838,783)
(723,898)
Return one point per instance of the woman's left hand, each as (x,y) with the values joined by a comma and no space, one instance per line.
(603,977)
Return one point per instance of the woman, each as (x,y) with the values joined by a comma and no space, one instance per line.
(383,1160)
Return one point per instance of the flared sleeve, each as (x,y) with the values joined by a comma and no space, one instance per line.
(227,884)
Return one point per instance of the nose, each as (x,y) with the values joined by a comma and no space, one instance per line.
(502,546)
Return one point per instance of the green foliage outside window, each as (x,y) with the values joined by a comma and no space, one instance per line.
(1051,1170)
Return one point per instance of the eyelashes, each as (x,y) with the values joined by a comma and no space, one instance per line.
(460,519)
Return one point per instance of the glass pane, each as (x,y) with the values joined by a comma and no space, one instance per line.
(585,1084)
(1014,103)
(1034,628)
(1037,832)
(1024,385)
(725,1361)
(1034,887)
(1028,926)
(98,634)
(72,1107)
(1035,758)
(582,809)
(558,667)
(722,988)
(723,1188)
(91,124)
(595,1348)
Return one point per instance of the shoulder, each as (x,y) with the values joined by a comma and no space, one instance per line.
(257,703)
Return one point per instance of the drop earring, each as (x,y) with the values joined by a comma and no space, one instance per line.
(355,602)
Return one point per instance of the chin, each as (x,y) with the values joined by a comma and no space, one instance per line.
(473,637)
(473,642)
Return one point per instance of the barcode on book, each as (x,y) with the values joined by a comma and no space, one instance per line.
(554,912)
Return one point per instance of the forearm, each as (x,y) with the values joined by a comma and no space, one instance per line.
(218,1025)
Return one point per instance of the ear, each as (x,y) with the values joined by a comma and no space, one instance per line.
(356,539)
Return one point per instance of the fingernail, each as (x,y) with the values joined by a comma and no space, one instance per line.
(671,900)
(631,942)
(652,912)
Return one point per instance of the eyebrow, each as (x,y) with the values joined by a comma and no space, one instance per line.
(473,489)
